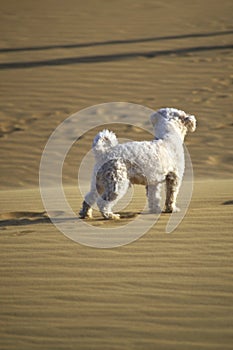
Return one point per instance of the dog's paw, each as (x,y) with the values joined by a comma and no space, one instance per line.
(172,210)
(156,210)
(85,214)
(111,216)
(176,210)
(115,216)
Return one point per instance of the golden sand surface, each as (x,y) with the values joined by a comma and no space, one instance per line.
(164,291)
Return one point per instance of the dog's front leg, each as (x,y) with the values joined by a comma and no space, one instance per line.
(154,197)
(172,189)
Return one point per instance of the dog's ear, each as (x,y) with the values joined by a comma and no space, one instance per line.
(154,118)
(190,123)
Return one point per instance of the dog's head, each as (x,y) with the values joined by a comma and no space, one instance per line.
(170,120)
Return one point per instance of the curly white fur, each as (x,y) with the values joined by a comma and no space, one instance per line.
(149,163)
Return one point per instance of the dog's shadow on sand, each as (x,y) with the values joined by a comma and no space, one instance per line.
(24,218)
(230,202)
(21,218)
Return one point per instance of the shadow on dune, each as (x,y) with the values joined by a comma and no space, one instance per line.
(20,218)
(230,202)
(111,57)
(23,218)
(117,42)
(33,218)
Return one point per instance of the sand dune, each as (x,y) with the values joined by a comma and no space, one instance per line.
(164,291)
(170,54)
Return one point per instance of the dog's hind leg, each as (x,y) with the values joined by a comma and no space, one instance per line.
(113,192)
(114,180)
(89,201)
(154,197)
(86,211)
(105,206)
(172,189)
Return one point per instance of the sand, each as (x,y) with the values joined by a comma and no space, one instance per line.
(164,291)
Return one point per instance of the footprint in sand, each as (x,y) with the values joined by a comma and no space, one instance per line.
(6,129)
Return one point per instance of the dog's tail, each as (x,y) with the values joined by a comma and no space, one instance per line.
(103,141)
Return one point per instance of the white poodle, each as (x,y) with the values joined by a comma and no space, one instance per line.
(148,163)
